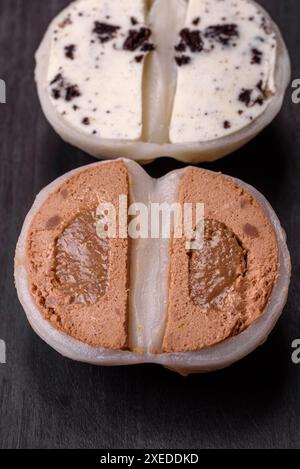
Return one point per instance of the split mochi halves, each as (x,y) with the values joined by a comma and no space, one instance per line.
(119,300)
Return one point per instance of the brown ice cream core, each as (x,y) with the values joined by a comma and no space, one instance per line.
(82,261)
(215,268)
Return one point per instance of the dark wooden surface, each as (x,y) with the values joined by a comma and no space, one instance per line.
(47,401)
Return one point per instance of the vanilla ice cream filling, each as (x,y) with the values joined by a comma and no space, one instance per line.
(226,57)
(162,72)
(95,70)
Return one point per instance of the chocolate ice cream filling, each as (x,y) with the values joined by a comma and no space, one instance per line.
(215,268)
(82,261)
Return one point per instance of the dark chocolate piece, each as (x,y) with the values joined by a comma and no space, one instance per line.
(245,96)
(63,89)
(181,47)
(256,56)
(225,34)
(139,58)
(191,39)
(196,21)
(57,78)
(137,38)
(183,60)
(134,21)
(227,125)
(69,51)
(105,32)
(148,47)
(72,92)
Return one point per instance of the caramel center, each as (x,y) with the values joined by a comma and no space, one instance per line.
(82,261)
(215,267)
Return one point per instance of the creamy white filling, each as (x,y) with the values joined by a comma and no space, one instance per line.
(94,84)
(228,81)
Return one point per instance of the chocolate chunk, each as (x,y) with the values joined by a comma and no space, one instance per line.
(69,51)
(72,92)
(225,34)
(181,47)
(63,89)
(139,58)
(53,222)
(136,38)
(192,40)
(56,93)
(86,121)
(251,231)
(134,21)
(196,21)
(148,47)
(105,31)
(182,60)
(57,78)
(245,96)
(256,56)
(226,125)
(259,86)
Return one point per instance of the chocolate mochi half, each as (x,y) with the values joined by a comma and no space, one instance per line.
(220,289)
(78,280)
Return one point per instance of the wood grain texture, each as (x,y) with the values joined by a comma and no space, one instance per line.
(47,401)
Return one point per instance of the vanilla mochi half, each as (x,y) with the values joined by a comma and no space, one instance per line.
(192,79)
(130,300)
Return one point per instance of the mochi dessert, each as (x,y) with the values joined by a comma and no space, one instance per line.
(105,293)
(192,79)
